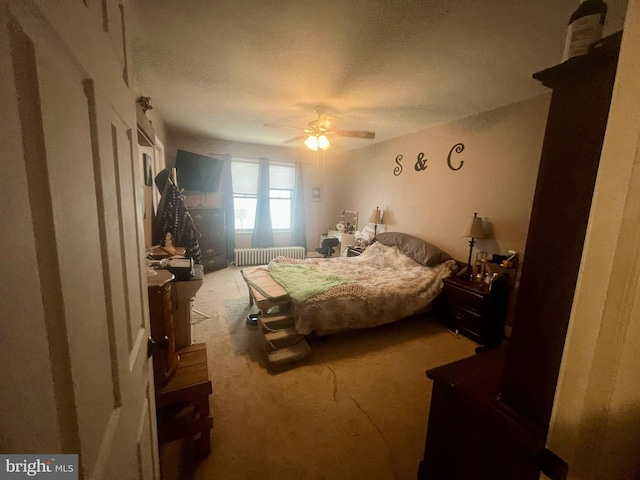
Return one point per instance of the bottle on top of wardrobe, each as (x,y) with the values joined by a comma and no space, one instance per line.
(585,27)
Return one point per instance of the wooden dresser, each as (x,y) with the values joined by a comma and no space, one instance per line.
(162,341)
(181,376)
(506,420)
(212,236)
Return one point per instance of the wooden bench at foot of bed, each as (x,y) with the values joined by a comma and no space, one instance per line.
(264,290)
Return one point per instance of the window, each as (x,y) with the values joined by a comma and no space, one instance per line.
(245,194)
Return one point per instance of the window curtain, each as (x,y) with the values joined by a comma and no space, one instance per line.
(229,207)
(298,227)
(262,230)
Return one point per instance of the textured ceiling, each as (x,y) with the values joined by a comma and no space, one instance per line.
(223,69)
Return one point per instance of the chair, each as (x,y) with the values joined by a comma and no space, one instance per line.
(327,246)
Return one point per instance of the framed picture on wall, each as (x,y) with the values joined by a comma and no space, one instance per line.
(147,169)
(316,193)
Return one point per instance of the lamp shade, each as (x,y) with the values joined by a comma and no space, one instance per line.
(474,228)
(376,216)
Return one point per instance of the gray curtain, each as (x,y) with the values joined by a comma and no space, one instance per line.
(299,227)
(229,210)
(262,230)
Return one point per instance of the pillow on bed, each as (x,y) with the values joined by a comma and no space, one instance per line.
(421,251)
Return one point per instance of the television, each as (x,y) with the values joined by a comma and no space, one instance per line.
(198,173)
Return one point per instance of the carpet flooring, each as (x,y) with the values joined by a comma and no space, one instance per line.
(355,409)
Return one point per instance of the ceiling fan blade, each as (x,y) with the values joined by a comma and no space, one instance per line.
(279,125)
(356,134)
(295,139)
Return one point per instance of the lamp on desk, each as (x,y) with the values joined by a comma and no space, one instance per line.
(376,219)
(473,230)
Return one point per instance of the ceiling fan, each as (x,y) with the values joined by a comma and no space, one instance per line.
(318,131)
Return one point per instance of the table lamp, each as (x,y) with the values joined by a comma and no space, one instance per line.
(376,219)
(473,230)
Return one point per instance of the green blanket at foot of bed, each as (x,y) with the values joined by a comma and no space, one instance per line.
(302,281)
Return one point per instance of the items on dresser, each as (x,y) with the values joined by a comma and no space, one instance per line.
(212,237)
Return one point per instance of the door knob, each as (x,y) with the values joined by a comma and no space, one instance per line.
(152,345)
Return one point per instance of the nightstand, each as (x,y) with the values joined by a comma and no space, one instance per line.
(475,310)
(354,251)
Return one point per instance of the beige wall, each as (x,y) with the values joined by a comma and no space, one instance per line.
(497,179)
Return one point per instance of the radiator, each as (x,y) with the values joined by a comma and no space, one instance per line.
(262,256)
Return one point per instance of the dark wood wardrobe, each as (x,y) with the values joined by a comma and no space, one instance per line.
(212,236)
(489,414)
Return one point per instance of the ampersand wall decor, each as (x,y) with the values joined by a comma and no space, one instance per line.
(420,165)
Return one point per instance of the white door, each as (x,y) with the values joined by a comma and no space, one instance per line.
(74,329)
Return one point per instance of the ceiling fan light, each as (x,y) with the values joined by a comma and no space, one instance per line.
(312,143)
(323,142)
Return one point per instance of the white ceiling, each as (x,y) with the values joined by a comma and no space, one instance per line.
(223,69)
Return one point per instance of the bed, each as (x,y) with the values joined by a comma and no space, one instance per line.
(396,277)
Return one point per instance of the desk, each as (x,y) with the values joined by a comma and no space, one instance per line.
(184,291)
(345,239)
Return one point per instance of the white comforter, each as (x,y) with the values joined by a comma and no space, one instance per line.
(387,286)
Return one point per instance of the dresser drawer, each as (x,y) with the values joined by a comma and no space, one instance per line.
(215,262)
(206,215)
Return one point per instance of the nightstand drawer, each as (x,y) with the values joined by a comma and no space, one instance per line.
(469,300)
(473,324)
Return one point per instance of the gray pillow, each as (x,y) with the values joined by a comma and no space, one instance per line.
(419,250)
